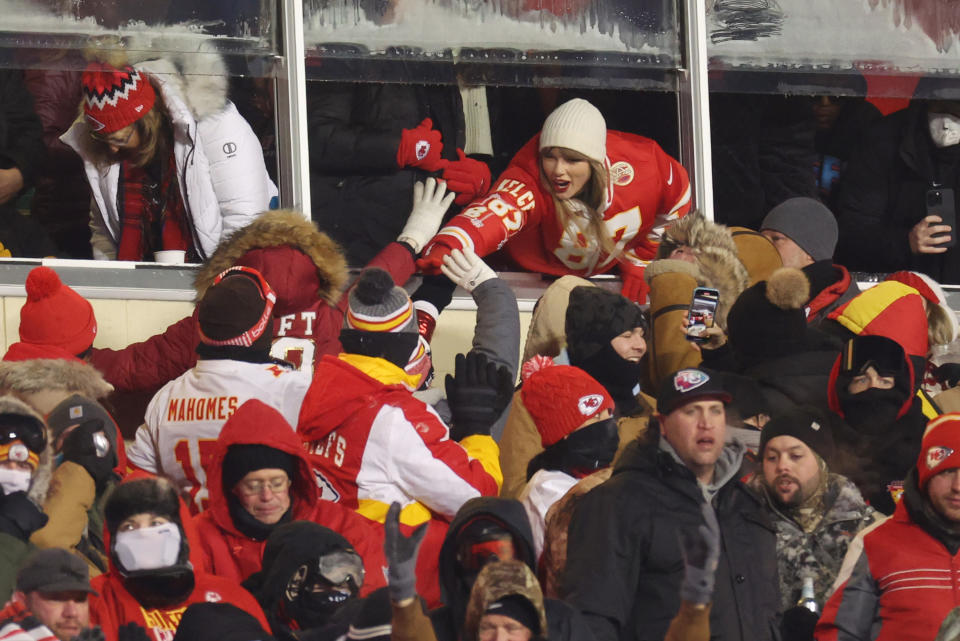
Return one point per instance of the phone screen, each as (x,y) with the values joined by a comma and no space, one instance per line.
(700,316)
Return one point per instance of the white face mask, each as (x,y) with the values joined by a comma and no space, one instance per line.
(944,129)
(14,480)
(148,548)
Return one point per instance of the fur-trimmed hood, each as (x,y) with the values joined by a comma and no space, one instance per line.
(40,482)
(497,580)
(717,266)
(41,374)
(199,77)
(301,263)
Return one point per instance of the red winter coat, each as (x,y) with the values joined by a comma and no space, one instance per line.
(230,554)
(116,606)
(647,191)
(303,266)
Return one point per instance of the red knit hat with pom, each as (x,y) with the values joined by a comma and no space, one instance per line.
(56,315)
(560,398)
(115,98)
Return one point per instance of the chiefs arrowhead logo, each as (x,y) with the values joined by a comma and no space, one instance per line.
(937,455)
(213,597)
(422,149)
(589,404)
(688,379)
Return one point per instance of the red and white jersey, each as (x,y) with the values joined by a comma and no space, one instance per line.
(646,192)
(184,419)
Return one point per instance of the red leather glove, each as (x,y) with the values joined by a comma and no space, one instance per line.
(432,258)
(421,147)
(635,286)
(468,177)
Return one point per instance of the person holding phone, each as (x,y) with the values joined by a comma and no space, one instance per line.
(897,206)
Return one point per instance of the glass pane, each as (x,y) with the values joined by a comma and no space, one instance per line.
(565,34)
(243,25)
(360,193)
(823,46)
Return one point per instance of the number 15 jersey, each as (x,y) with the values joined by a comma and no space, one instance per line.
(184,419)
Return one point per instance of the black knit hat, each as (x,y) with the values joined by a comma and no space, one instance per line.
(768,320)
(233,311)
(595,317)
(804,423)
(144,495)
(219,622)
(518,608)
(244,458)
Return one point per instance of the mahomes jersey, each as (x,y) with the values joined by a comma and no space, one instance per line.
(184,419)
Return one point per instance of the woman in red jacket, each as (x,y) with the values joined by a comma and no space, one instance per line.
(154,565)
(576,199)
(259,478)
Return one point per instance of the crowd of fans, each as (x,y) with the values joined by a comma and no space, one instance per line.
(792,473)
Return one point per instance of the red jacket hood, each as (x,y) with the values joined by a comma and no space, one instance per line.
(186,521)
(337,392)
(834,399)
(831,293)
(256,423)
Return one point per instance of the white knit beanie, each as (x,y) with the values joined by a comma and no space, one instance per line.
(579,126)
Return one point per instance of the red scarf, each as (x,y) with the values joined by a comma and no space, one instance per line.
(152,215)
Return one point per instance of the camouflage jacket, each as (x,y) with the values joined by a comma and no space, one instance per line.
(818,553)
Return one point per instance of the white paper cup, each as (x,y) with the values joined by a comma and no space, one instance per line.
(170,256)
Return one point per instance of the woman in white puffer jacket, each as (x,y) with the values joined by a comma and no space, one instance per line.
(141,123)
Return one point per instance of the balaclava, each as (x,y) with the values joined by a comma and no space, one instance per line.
(874,410)
(595,317)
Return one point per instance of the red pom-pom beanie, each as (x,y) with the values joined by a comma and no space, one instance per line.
(56,315)
(560,398)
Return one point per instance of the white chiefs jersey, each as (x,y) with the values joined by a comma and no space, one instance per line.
(184,419)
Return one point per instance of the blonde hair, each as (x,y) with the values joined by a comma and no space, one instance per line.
(592,196)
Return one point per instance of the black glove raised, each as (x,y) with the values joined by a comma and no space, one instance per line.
(401,553)
(477,393)
(19,516)
(87,445)
(132,632)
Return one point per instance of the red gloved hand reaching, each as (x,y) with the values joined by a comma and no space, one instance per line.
(421,147)
(468,177)
(634,285)
(432,258)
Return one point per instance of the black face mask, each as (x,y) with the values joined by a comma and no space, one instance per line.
(580,453)
(871,411)
(314,609)
(618,375)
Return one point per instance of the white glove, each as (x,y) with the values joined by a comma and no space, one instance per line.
(429,206)
(466,269)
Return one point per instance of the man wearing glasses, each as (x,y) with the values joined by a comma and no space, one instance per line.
(259,479)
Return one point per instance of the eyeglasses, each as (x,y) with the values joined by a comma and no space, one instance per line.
(114,142)
(276,485)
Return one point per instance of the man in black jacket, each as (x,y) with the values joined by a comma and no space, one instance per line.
(624,561)
(899,189)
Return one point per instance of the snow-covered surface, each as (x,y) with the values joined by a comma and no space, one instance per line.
(435,27)
(844,34)
(30,25)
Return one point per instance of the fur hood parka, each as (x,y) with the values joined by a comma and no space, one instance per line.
(222,175)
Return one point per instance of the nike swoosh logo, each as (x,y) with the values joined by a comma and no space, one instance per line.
(670,178)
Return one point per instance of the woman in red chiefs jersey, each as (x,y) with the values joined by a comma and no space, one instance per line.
(576,199)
